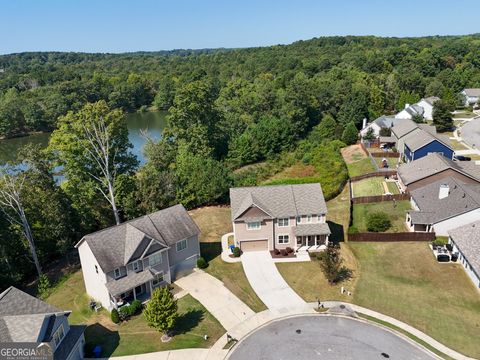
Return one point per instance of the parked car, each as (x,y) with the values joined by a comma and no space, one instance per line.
(462,158)
(443,258)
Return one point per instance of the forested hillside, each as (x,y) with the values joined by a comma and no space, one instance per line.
(227,109)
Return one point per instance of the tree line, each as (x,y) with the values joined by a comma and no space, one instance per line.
(235,118)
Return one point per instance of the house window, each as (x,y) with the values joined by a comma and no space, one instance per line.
(253,225)
(157,280)
(309,218)
(117,273)
(155,259)
(59,335)
(136,265)
(299,219)
(96,269)
(283,239)
(283,222)
(181,245)
(320,217)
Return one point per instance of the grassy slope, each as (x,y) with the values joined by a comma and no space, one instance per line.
(403,280)
(214,221)
(396,214)
(134,336)
(361,167)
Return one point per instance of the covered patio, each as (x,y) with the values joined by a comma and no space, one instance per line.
(134,286)
(312,236)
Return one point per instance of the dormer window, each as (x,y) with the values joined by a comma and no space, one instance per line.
(299,219)
(136,266)
(59,335)
(117,273)
(309,218)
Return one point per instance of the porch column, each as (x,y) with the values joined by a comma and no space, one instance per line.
(151,288)
(134,294)
(316,238)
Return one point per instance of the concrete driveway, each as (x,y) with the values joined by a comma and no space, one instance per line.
(217,299)
(326,338)
(267,282)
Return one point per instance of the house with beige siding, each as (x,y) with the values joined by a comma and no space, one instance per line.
(127,262)
(279,216)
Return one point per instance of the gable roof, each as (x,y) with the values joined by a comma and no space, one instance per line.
(385,121)
(418,139)
(467,239)
(432,164)
(279,200)
(403,128)
(118,245)
(462,198)
(23,316)
(473,92)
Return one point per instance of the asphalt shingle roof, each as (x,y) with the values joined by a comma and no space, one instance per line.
(417,139)
(279,200)
(117,287)
(433,164)
(312,229)
(116,246)
(467,239)
(403,128)
(431,99)
(472,92)
(462,198)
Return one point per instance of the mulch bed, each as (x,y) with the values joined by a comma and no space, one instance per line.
(289,255)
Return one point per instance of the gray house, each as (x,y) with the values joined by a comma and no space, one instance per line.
(24,318)
(279,216)
(127,261)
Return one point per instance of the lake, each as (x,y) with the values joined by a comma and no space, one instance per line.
(151,122)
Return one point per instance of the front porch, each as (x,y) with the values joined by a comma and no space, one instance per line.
(312,237)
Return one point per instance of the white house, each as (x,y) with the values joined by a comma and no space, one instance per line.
(465,241)
(471,96)
(443,205)
(379,123)
(424,108)
(427,105)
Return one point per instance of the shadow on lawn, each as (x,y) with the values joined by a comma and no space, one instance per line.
(210,251)
(337,230)
(188,321)
(97,334)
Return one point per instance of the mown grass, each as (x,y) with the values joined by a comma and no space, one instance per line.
(372,187)
(361,167)
(395,211)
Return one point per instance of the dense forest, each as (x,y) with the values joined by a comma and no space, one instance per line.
(228,108)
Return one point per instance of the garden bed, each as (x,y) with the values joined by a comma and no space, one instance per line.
(281,256)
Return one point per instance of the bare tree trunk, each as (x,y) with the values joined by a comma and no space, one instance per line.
(10,201)
(111,192)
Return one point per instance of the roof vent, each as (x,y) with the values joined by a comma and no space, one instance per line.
(444,191)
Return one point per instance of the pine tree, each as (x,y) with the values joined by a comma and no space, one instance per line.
(442,118)
(161,311)
(350,134)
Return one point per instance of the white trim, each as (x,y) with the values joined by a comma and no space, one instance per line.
(283,219)
(254,222)
(181,241)
(283,243)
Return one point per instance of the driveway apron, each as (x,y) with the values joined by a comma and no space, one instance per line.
(267,282)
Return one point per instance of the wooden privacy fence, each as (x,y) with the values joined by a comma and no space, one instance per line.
(386,154)
(380,198)
(374,174)
(386,237)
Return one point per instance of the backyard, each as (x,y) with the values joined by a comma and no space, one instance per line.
(358,163)
(404,280)
(373,186)
(392,162)
(133,336)
(214,221)
(395,211)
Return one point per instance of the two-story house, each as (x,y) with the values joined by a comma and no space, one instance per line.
(24,318)
(127,261)
(279,216)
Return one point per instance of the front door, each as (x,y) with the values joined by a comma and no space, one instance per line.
(139,290)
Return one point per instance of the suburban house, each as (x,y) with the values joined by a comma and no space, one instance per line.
(433,167)
(127,261)
(279,216)
(471,96)
(443,205)
(423,108)
(465,241)
(24,318)
(379,123)
(420,143)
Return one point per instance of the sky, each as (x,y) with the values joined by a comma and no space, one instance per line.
(148,25)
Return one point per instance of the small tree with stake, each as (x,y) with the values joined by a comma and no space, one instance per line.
(161,311)
(332,266)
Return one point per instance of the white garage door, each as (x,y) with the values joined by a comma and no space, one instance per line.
(254,245)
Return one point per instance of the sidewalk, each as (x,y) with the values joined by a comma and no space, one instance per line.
(183,354)
(226,251)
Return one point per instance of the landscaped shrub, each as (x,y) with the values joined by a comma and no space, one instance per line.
(289,250)
(276,252)
(440,241)
(124,312)
(114,316)
(236,251)
(43,287)
(283,252)
(378,222)
(201,263)
(135,307)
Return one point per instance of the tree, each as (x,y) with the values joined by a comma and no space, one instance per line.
(407,97)
(332,266)
(12,120)
(418,118)
(442,117)
(350,134)
(378,221)
(370,135)
(93,148)
(11,205)
(377,104)
(161,311)
(385,131)
(324,131)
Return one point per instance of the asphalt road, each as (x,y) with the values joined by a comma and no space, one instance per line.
(470,133)
(325,338)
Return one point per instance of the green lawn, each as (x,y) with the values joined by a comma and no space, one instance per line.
(214,221)
(134,336)
(372,186)
(396,214)
(338,215)
(361,167)
(392,187)
(403,280)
